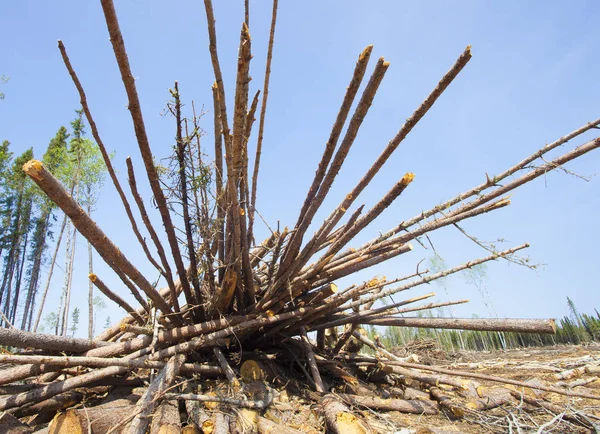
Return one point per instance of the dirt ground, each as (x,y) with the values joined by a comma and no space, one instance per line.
(537,364)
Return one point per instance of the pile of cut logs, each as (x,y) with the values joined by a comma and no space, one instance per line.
(266,318)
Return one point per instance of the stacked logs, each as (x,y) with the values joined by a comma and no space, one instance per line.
(244,311)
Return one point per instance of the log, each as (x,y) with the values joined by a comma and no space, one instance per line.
(212,398)
(146,404)
(23,339)
(490,397)
(256,370)
(20,372)
(166,419)
(542,326)
(412,394)
(339,418)
(196,414)
(447,402)
(401,405)
(100,418)
(44,411)
(55,388)
(12,425)
(245,421)
(209,370)
(312,363)
(266,426)
(225,367)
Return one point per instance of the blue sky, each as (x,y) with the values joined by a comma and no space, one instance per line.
(532,79)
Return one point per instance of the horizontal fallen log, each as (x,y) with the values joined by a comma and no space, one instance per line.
(244,403)
(55,388)
(541,326)
(22,339)
(401,405)
(106,362)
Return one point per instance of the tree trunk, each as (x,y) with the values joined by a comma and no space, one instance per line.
(49,278)
(37,255)
(90,287)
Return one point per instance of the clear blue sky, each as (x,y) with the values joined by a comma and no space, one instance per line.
(533,77)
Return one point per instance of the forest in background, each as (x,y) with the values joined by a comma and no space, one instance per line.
(33,229)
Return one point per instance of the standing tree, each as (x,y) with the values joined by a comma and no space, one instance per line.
(15,236)
(75,321)
(55,159)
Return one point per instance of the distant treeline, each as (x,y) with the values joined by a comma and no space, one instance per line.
(573,329)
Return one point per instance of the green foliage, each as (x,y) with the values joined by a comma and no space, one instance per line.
(574,313)
(75,321)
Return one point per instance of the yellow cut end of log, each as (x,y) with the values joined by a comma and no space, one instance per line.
(407,179)
(208,426)
(242,212)
(348,423)
(92,277)
(468,49)
(349,197)
(386,64)
(270,313)
(34,168)
(251,371)
(211,405)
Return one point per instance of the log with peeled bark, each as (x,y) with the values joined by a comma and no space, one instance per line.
(541,326)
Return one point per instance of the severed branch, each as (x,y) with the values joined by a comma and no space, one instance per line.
(261,125)
(166,271)
(105,156)
(114,297)
(116,39)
